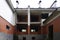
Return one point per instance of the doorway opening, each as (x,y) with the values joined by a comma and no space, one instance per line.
(50,34)
(33,38)
(24,38)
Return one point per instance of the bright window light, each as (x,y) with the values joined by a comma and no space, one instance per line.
(32,30)
(23,30)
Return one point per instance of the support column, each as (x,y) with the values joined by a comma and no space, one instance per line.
(41,22)
(28,19)
(16,18)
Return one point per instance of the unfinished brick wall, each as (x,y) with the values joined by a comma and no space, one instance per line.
(5,26)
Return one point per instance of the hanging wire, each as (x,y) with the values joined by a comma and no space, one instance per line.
(53,3)
(39,3)
(17,3)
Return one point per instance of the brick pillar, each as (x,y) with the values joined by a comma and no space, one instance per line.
(28,29)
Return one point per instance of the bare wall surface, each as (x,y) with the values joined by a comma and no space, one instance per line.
(29,37)
(4,36)
(5,26)
(6,32)
(56,28)
(56,36)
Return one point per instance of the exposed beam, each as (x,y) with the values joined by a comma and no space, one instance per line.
(21,22)
(10,5)
(34,10)
(35,22)
(53,16)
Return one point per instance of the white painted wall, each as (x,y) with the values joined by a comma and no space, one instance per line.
(6,12)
